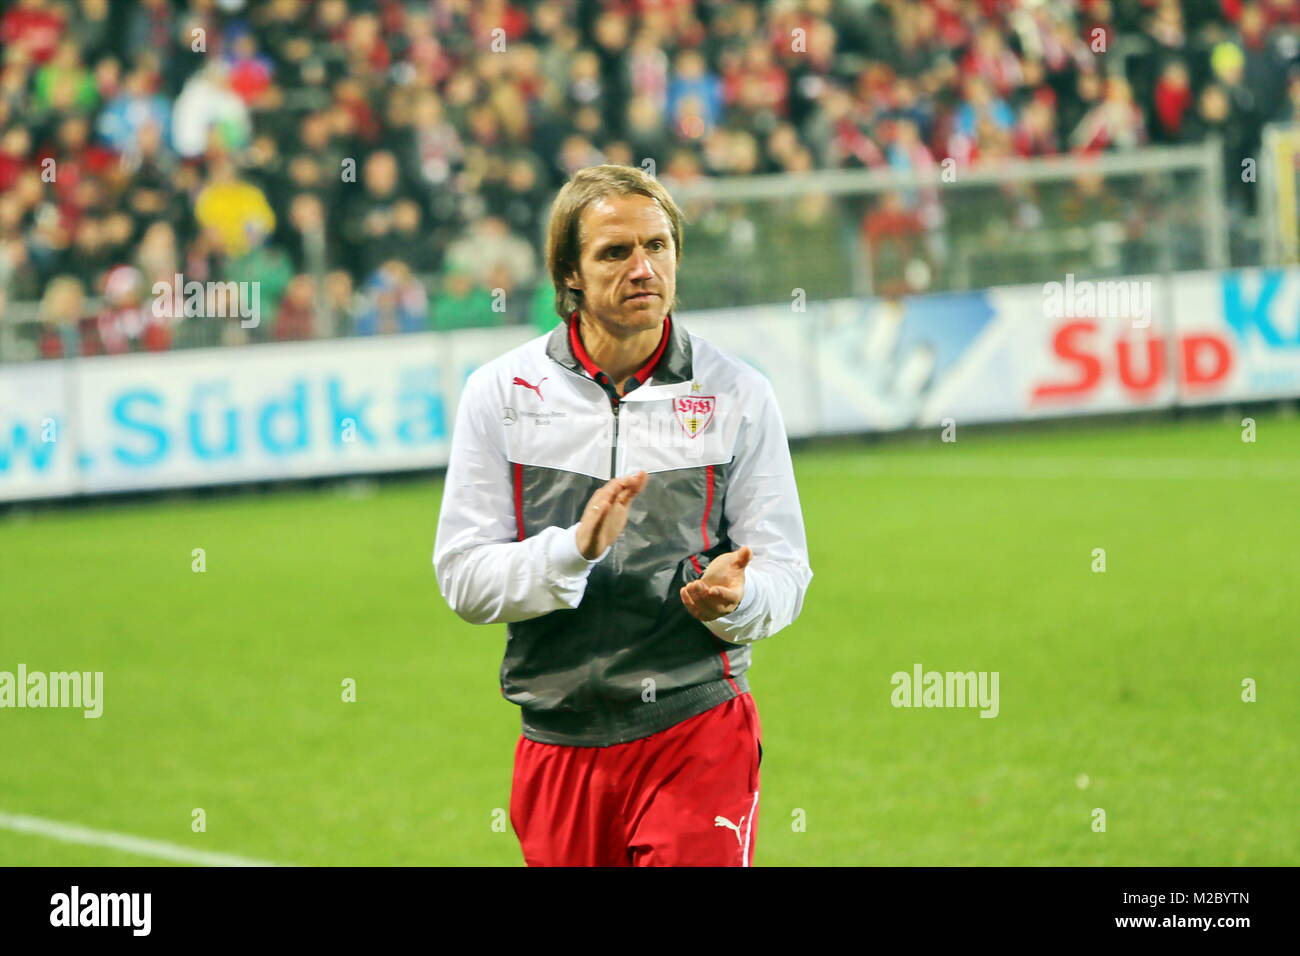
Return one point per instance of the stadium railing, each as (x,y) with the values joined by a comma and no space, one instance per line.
(884,232)
(1279,178)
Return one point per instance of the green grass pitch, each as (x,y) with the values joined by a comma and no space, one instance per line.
(1118,690)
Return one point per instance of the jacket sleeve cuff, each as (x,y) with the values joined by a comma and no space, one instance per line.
(566,559)
(740,617)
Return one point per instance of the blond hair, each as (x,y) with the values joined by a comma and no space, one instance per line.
(60,294)
(563,242)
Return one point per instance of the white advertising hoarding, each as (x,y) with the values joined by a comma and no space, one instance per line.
(240,414)
(38,449)
(387,404)
(1249,320)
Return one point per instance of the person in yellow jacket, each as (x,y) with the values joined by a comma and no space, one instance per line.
(236,209)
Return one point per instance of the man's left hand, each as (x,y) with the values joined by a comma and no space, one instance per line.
(718,591)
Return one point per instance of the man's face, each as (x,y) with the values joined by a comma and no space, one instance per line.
(628,266)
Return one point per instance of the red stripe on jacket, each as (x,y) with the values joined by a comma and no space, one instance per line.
(704,534)
(519,499)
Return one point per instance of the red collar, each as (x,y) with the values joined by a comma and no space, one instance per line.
(639,377)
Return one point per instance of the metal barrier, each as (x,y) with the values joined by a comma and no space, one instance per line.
(1279,179)
(816,236)
(884,232)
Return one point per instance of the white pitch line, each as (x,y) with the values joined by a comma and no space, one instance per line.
(72,833)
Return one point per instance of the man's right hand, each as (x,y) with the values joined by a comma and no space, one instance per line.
(606,514)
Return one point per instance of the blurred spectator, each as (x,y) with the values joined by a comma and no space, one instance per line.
(370,223)
(645,128)
(392,301)
(1035,133)
(34,27)
(90,28)
(217,134)
(63,83)
(892,237)
(80,165)
(992,62)
(694,97)
(136,106)
(982,104)
(1289,111)
(126,321)
(264,271)
(1173,99)
(207,106)
(647,70)
(1228,63)
(18,274)
(91,252)
(409,240)
(1215,117)
(460,304)
(151,28)
(519,200)
(335,317)
(15,155)
(1266,58)
(1166,26)
(489,244)
(1115,122)
(434,149)
(250,71)
(62,310)
(839,134)
(157,256)
(294,319)
(310,248)
(584,80)
(234,208)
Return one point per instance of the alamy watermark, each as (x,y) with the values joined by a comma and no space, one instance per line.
(208,300)
(946,689)
(75,908)
(84,689)
(1115,299)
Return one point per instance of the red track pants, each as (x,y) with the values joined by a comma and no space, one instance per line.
(685,796)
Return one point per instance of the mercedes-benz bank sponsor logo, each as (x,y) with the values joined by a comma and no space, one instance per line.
(544,418)
(509,416)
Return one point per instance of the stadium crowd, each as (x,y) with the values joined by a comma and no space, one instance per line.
(386,166)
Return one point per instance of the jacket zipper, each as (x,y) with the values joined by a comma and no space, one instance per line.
(613,448)
(615,405)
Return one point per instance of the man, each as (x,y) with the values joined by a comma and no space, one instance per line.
(620,494)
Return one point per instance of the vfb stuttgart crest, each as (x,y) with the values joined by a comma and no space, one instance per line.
(694,412)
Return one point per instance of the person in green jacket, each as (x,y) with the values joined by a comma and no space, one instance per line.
(460,304)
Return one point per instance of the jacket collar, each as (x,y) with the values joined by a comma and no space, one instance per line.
(673,366)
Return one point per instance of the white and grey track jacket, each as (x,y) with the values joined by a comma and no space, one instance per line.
(603,652)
